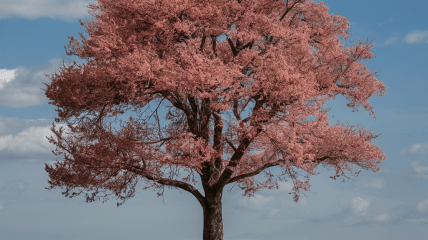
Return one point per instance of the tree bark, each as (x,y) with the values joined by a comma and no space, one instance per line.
(213,219)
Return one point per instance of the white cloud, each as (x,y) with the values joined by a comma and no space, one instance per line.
(382,217)
(422,171)
(30,140)
(416,220)
(255,202)
(390,40)
(419,149)
(1,206)
(6,76)
(26,139)
(65,10)
(303,201)
(417,36)
(285,186)
(422,206)
(13,186)
(376,183)
(360,205)
(21,87)
(272,212)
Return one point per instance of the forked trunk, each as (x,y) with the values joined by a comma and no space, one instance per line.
(213,220)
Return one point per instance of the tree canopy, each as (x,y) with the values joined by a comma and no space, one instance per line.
(282,62)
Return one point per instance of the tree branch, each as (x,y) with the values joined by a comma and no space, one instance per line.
(163,140)
(218,128)
(174,183)
(205,119)
(101,114)
(177,103)
(237,155)
(214,41)
(202,43)
(265,166)
(235,53)
(239,47)
(218,146)
(231,144)
(242,176)
(288,9)
(235,109)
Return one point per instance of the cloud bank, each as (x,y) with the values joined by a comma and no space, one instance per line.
(23,139)
(417,36)
(64,10)
(22,87)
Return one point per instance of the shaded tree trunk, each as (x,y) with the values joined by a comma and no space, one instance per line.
(213,219)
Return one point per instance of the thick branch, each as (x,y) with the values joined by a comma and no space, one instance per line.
(192,102)
(242,176)
(185,186)
(218,143)
(235,109)
(205,119)
(175,101)
(202,43)
(231,144)
(214,40)
(174,183)
(236,157)
(235,52)
(232,164)
(239,47)
(218,135)
(163,140)
(192,118)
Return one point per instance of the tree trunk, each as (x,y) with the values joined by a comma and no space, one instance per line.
(213,219)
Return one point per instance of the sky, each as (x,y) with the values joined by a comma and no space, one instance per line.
(391,204)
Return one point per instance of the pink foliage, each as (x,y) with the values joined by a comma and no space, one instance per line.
(281,55)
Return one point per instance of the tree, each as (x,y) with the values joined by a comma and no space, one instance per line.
(282,63)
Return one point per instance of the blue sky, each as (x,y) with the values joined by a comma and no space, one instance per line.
(391,204)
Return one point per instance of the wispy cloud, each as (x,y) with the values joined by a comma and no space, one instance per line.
(405,213)
(421,171)
(417,36)
(382,217)
(413,213)
(360,205)
(415,149)
(272,212)
(13,187)
(381,23)
(65,10)
(422,206)
(255,202)
(376,183)
(22,87)
(285,186)
(391,40)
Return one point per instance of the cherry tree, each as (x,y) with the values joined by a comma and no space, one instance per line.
(283,60)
